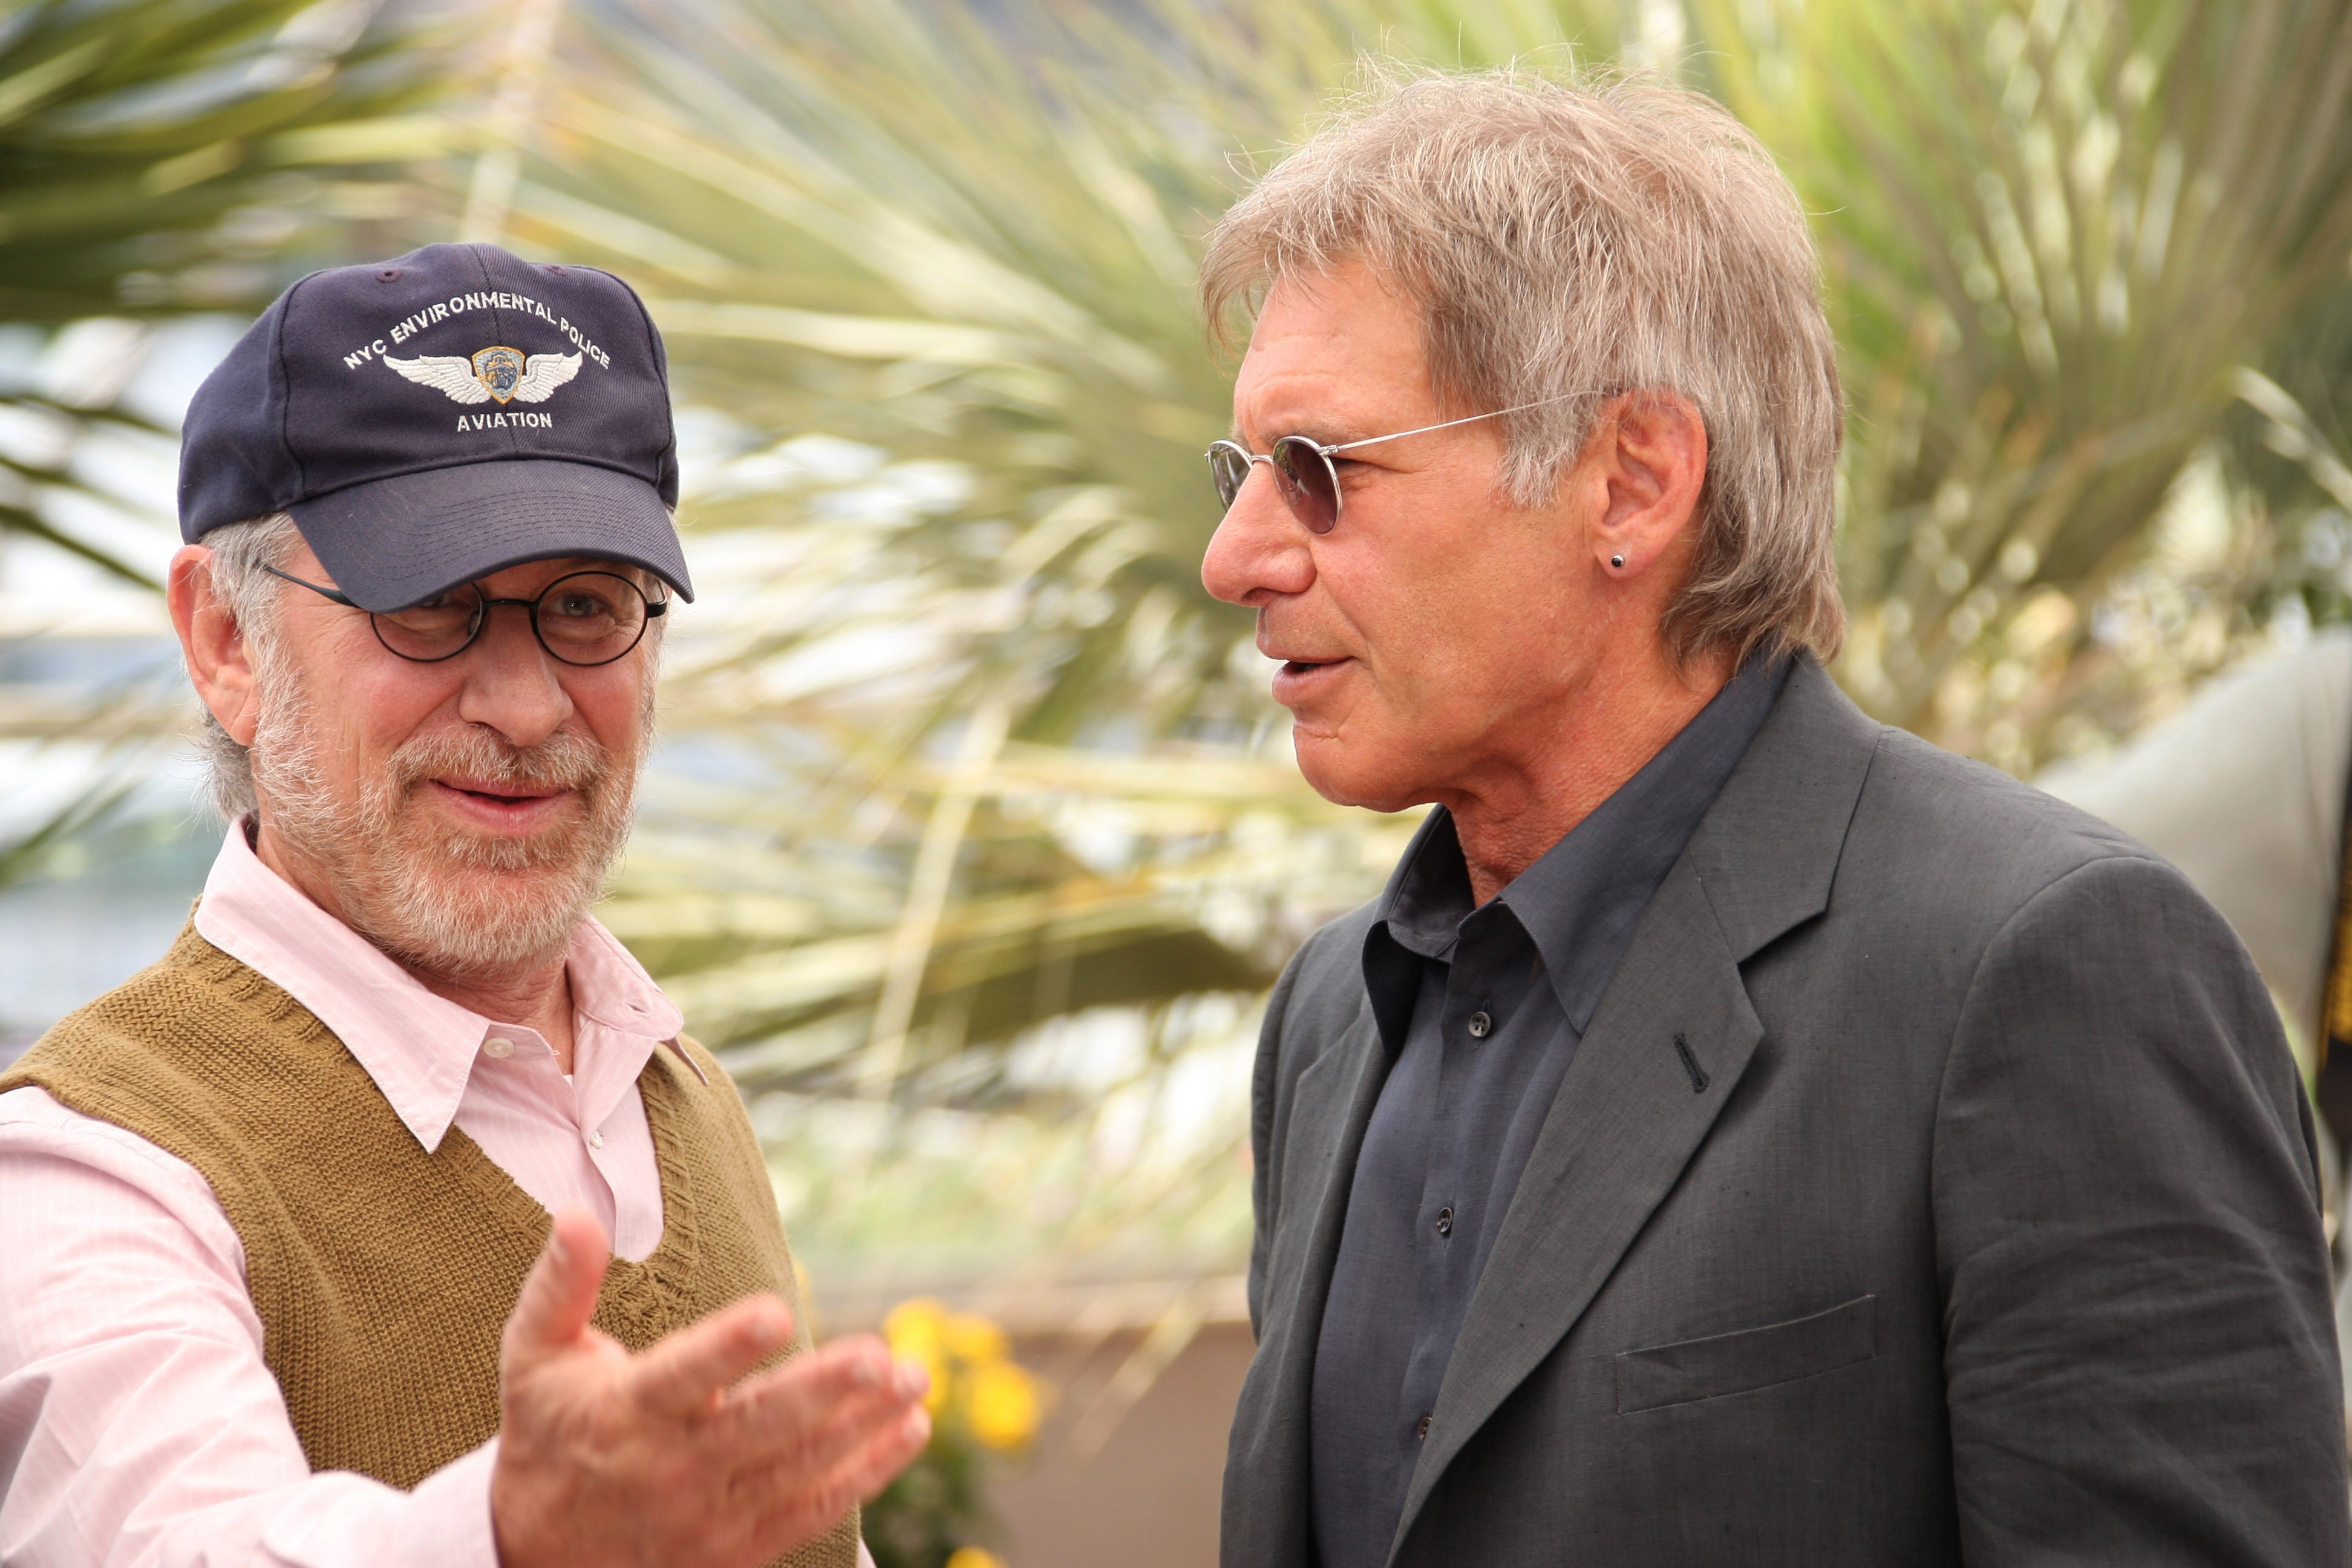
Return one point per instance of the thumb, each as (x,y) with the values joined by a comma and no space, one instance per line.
(558,1295)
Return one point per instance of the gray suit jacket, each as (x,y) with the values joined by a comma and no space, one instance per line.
(1988,1231)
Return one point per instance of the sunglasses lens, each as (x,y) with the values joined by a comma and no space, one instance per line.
(1308,483)
(1228,468)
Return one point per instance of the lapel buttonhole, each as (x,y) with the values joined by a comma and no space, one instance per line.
(1690,1065)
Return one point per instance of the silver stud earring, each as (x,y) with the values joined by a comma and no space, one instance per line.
(1618,562)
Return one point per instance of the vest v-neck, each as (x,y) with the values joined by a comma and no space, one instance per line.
(637,1286)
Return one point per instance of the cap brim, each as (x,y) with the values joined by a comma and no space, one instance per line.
(390,542)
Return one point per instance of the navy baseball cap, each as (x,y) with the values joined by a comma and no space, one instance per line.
(435,419)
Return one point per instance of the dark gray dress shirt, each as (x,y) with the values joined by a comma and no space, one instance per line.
(1481,1011)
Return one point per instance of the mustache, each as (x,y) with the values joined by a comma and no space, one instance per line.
(564,761)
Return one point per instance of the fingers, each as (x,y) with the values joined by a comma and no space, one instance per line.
(685,1375)
(797,1505)
(558,1295)
(870,1469)
(786,1431)
(852,1380)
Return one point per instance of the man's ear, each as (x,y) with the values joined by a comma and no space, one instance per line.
(219,664)
(1649,450)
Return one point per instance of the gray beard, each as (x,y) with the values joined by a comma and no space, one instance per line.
(444,900)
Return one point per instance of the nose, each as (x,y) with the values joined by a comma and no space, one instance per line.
(1260,552)
(512,684)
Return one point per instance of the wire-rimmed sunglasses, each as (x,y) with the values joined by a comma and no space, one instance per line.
(584,618)
(1303,469)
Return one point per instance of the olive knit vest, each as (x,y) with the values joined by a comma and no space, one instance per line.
(383,1274)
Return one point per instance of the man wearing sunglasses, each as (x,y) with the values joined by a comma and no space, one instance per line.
(390,1219)
(1740,1133)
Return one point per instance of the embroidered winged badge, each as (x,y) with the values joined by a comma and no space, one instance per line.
(507,374)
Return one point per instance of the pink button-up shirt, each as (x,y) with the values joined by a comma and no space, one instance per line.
(139,1424)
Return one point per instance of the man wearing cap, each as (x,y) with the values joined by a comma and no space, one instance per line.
(278,1279)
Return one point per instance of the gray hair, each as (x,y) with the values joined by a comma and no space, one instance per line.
(253,599)
(1599,238)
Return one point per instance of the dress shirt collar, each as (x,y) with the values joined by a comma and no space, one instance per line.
(420,1048)
(1428,894)
(1581,898)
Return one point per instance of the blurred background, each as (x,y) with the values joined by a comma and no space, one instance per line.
(973,840)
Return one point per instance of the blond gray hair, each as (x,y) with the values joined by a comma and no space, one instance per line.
(1591,238)
(241,552)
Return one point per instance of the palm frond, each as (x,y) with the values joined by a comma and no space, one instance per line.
(2051,236)
(158,156)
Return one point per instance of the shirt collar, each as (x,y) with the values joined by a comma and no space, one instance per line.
(1580,901)
(1428,895)
(419,1048)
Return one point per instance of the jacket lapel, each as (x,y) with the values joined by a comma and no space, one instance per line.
(1666,1048)
(1335,1096)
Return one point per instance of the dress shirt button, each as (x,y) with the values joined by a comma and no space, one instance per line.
(497,1046)
(1481,1026)
(1445,1221)
(1420,1428)
(595,1139)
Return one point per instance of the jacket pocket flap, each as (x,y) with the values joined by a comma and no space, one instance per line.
(1749,1359)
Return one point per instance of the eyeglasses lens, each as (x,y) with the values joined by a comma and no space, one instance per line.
(1228,466)
(1301,472)
(1307,482)
(591,618)
(439,628)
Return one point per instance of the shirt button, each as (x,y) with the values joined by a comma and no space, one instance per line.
(1445,1221)
(1420,1428)
(1481,1026)
(595,1139)
(497,1046)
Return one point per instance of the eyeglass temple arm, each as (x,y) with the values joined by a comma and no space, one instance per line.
(653,606)
(336,595)
(1450,423)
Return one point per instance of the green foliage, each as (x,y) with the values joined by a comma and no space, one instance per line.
(158,155)
(928,1509)
(2052,238)
(964,255)
(131,129)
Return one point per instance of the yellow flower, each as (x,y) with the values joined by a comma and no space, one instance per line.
(916,1332)
(974,1557)
(1003,1405)
(974,1339)
(916,1328)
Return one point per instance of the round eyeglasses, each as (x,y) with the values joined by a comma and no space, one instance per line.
(584,618)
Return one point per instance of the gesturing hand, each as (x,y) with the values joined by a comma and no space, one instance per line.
(609,1458)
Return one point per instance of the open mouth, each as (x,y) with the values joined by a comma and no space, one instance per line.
(1303,681)
(1309,666)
